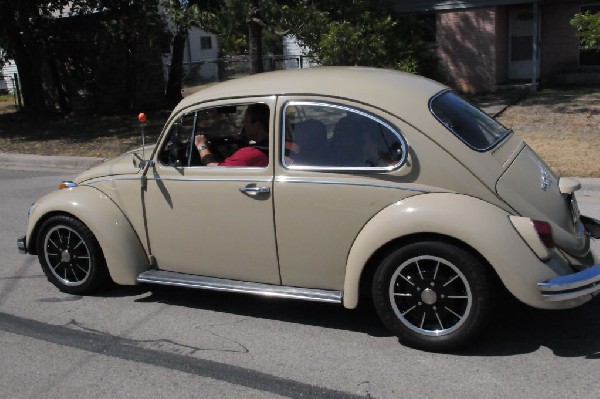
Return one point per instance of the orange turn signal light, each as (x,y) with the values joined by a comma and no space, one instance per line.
(67,184)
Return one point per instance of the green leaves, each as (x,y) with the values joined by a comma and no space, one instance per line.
(588,28)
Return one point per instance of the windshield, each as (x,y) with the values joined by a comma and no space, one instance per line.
(471,125)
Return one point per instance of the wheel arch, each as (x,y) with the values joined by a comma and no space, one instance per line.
(33,236)
(366,278)
(120,245)
(483,229)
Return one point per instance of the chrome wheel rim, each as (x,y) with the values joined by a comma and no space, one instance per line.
(67,255)
(430,295)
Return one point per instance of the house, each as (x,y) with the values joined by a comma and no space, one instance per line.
(485,44)
(199,57)
(8,74)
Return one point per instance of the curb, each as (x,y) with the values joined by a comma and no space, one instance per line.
(48,162)
(589,183)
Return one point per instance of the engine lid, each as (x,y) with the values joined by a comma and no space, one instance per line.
(533,190)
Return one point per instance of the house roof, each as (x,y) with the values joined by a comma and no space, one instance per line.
(410,6)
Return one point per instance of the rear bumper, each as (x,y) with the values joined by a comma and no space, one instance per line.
(21,245)
(571,286)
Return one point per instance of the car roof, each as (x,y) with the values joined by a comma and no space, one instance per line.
(383,88)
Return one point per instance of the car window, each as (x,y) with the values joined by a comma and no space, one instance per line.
(332,136)
(223,128)
(471,125)
(176,150)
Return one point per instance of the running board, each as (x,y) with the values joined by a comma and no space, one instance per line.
(164,277)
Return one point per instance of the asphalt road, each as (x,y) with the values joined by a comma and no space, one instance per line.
(133,342)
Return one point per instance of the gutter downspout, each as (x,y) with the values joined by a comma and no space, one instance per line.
(534,60)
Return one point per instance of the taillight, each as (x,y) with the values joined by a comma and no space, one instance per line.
(544,231)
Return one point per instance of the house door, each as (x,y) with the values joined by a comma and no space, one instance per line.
(521,32)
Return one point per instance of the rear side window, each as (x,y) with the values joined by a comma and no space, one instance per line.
(328,136)
(471,125)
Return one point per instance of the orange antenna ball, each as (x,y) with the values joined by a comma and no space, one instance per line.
(142,117)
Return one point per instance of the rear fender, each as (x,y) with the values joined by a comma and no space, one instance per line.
(124,254)
(482,226)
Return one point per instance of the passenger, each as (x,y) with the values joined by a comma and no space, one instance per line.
(256,128)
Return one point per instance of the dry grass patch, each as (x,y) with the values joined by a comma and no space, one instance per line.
(93,136)
(563,127)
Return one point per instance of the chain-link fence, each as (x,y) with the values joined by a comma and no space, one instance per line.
(198,74)
(11,85)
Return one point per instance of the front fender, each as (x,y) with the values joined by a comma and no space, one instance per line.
(481,225)
(124,254)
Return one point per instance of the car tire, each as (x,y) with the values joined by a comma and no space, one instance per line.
(70,256)
(433,295)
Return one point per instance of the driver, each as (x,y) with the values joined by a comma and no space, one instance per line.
(256,122)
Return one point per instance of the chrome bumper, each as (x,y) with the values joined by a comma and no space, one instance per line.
(572,286)
(21,245)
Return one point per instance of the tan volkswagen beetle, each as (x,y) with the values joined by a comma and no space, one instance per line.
(360,184)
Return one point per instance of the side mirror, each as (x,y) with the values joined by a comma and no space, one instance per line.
(140,162)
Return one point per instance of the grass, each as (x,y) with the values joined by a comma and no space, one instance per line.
(562,126)
(92,136)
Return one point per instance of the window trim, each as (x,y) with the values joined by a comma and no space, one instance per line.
(458,136)
(347,108)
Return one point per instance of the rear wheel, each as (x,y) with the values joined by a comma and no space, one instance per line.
(70,256)
(433,295)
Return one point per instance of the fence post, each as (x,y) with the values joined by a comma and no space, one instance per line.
(17,86)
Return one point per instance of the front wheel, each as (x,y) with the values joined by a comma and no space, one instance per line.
(70,256)
(433,295)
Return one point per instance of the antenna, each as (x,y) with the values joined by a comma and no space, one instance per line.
(142,119)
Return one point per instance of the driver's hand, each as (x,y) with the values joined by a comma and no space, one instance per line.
(200,140)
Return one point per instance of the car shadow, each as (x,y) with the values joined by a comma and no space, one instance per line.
(363,319)
(517,329)
(514,329)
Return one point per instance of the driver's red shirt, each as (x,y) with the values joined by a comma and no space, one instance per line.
(247,156)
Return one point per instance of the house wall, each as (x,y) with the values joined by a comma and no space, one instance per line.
(199,64)
(468,47)
(560,45)
(502,49)
(473,41)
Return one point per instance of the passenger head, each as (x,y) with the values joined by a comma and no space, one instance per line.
(256,121)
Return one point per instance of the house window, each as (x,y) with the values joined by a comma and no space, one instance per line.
(205,42)
(590,57)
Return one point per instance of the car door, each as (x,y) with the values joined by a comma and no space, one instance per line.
(210,221)
(334,175)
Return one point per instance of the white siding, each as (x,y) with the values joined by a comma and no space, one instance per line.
(291,48)
(195,54)
(8,72)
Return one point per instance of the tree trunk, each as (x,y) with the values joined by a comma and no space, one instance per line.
(28,57)
(255,39)
(174,84)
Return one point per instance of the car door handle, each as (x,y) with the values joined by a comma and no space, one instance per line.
(255,190)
